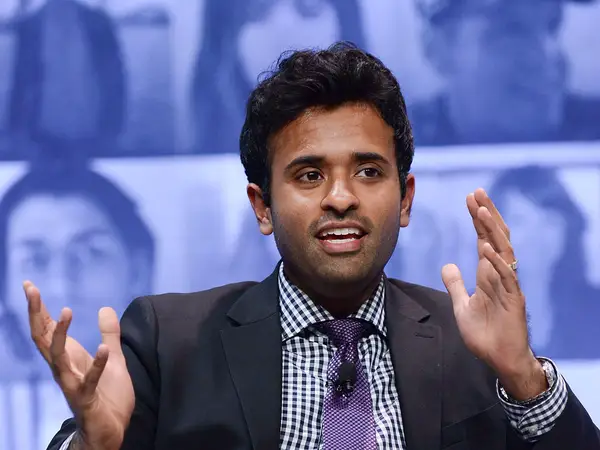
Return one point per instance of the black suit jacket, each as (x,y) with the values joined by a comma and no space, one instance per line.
(206,368)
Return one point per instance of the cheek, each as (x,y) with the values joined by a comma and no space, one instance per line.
(292,221)
(388,216)
(293,208)
(392,225)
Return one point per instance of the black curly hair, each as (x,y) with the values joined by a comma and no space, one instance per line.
(329,78)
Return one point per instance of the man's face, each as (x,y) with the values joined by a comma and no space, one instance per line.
(335,172)
(505,71)
(72,252)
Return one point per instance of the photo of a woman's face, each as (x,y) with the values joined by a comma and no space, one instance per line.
(285,25)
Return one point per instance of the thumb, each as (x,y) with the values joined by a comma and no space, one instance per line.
(455,285)
(110,329)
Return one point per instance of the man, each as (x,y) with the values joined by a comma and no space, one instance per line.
(505,75)
(326,352)
(74,231)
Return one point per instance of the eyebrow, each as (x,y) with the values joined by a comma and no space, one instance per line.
(315,160)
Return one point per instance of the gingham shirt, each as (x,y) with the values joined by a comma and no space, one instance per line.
(306,354)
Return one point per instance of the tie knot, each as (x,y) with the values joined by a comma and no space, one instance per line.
(345,331)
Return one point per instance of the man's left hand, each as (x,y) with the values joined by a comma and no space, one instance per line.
(493,321)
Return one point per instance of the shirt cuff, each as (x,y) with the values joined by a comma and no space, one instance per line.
(65,445)
(536,417)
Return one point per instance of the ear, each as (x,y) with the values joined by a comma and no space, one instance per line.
(407,201)
(261,211)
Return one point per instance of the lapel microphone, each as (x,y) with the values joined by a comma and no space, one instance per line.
(346,380)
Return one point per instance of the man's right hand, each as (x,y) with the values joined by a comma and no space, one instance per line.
(98,389)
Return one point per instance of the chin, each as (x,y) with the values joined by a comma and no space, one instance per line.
(346,272)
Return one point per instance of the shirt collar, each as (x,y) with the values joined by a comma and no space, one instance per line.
(299,312)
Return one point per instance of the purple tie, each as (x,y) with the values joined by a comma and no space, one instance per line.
(348,411)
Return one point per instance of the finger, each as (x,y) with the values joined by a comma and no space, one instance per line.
(92,377)
(508,277)
(59,360)
(110,329)
(40,323)
(495,235)
(488,280)
(473,207)
(455,286)
(484,200)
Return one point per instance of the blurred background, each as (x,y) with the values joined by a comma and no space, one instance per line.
(120,174)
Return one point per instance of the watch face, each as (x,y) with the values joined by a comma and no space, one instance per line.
(550,374)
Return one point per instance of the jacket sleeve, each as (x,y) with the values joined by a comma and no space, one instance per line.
(574,429)
(139,335)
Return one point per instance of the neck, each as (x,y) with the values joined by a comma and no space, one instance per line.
(339,300)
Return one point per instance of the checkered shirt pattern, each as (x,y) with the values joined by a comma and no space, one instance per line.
(306,355)
(536,417)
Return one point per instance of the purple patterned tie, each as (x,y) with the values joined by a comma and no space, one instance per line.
(348,421)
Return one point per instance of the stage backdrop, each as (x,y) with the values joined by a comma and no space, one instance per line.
(120,174)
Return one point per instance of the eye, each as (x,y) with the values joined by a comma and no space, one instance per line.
(369,172)
(310,177)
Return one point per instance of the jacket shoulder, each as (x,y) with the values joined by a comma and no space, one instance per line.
(437,303)
(197,305)
(470,375)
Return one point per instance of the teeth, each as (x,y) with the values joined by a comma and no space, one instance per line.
(343,241)
(342,232)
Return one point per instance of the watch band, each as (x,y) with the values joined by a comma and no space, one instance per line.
(550,372)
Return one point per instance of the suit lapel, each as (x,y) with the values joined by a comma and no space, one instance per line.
(416,348)
(253,352)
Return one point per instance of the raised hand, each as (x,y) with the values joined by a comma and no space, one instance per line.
(493,321)
(98,389)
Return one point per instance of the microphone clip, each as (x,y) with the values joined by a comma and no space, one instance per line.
(344,388)
(346,381)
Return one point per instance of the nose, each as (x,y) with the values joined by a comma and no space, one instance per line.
(340,197)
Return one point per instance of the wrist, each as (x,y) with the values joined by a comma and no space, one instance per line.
(80,443)
(77,443)
(525,381)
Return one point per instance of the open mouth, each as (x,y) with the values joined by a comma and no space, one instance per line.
(341,234)
(341,240)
